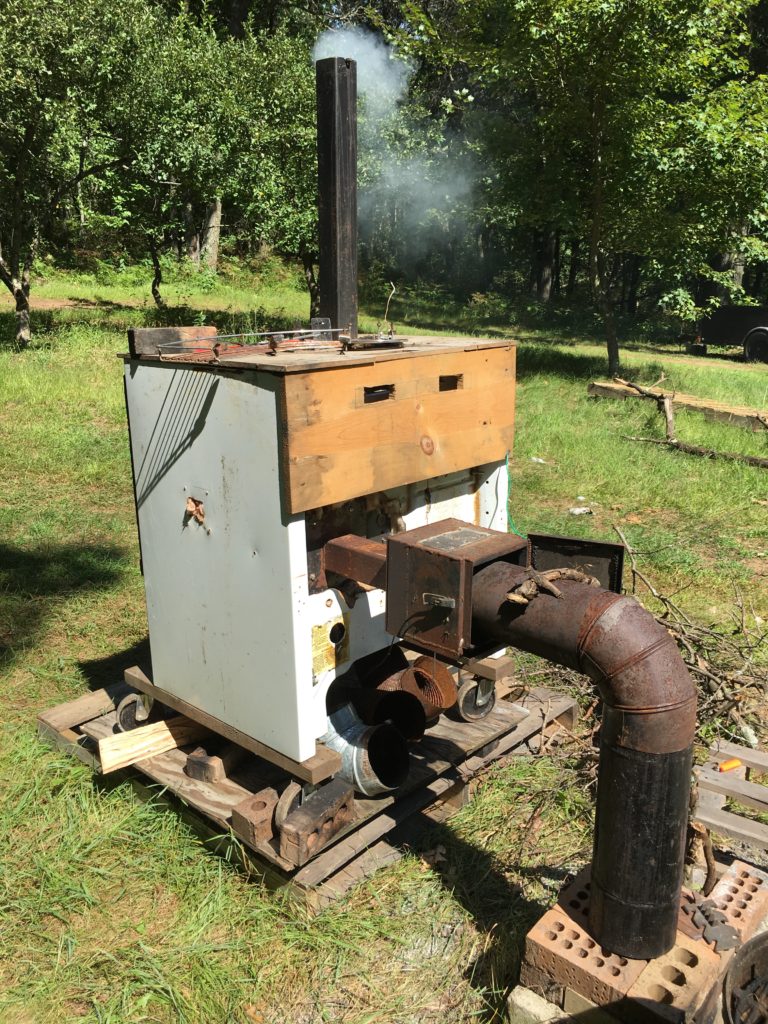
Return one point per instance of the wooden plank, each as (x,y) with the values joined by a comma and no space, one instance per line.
(492,668)
(150,341)
(336,448)
(82,709)
(756,759)
(738,415)
(68,741)
(126,748)
(751,794)
(321,766)
(744,829)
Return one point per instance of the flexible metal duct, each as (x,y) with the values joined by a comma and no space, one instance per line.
(374,758)
(646,743)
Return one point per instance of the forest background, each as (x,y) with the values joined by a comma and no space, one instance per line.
(568,158)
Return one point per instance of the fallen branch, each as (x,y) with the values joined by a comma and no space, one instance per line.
(706,453)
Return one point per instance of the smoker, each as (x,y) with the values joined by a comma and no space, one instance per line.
(323,530)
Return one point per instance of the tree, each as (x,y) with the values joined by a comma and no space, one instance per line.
(637,125)
(66,103)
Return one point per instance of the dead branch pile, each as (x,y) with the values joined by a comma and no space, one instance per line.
(729,662)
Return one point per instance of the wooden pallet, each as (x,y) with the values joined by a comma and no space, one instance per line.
(714,788)
(443,765)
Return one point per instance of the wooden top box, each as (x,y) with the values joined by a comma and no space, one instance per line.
(361,422)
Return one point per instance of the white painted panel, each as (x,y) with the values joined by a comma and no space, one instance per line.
(225,599)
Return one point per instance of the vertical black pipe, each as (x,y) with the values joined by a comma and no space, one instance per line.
(337,190)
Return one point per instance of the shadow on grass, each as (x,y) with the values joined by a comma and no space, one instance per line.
(537,358)
(30,580)
(103,671)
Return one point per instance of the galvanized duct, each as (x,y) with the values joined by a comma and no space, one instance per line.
(374,758)
(646,743)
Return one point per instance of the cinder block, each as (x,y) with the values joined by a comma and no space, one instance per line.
(561,948)
(584,1010)
(674,986)
(526,1007)
(742,895)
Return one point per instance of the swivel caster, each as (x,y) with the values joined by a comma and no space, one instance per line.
(475,699)
(133,710)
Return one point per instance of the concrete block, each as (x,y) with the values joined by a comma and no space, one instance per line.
(584,1010)
(526,1007)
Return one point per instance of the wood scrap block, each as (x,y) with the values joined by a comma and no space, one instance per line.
(252,819)
(207,767)
(312,826)
(125,748)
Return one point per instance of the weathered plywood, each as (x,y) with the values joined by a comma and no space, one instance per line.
(338,445)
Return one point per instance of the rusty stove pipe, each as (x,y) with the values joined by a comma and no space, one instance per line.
(646,743)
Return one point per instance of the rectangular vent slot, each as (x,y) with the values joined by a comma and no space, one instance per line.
(378,393)
(452,382)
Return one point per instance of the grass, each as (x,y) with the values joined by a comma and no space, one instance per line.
(113,910)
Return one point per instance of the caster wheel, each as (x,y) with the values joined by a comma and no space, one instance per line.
(475,699)
(133,710)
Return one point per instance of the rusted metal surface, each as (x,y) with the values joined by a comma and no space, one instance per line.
(436,683)
(337,190)
(646,743)
(357,558)
(745,993)
(612,639)
(429,681)
(602,559)
(429,574)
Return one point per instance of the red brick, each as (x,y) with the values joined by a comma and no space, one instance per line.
(742,894)
(562,949)
(672,987)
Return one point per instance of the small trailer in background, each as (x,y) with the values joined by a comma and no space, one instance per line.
(745,326)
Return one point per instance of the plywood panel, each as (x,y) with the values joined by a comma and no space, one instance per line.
(338,444)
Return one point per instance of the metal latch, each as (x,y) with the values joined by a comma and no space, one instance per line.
(438,601)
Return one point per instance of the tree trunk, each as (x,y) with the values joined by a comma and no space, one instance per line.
(157,278)
(212,235)
(556,266)
(191,235)
(23,327)
(17,280)
(545,260)
(309,276)
(573,268)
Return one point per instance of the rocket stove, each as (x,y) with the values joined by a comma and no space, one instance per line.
(323,531)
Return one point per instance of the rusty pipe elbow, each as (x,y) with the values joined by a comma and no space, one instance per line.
(646,743)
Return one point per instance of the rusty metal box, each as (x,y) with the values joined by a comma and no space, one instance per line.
(429,581)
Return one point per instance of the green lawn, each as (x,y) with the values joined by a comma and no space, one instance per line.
(111,908)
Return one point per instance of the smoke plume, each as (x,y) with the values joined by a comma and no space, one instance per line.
(414,182)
